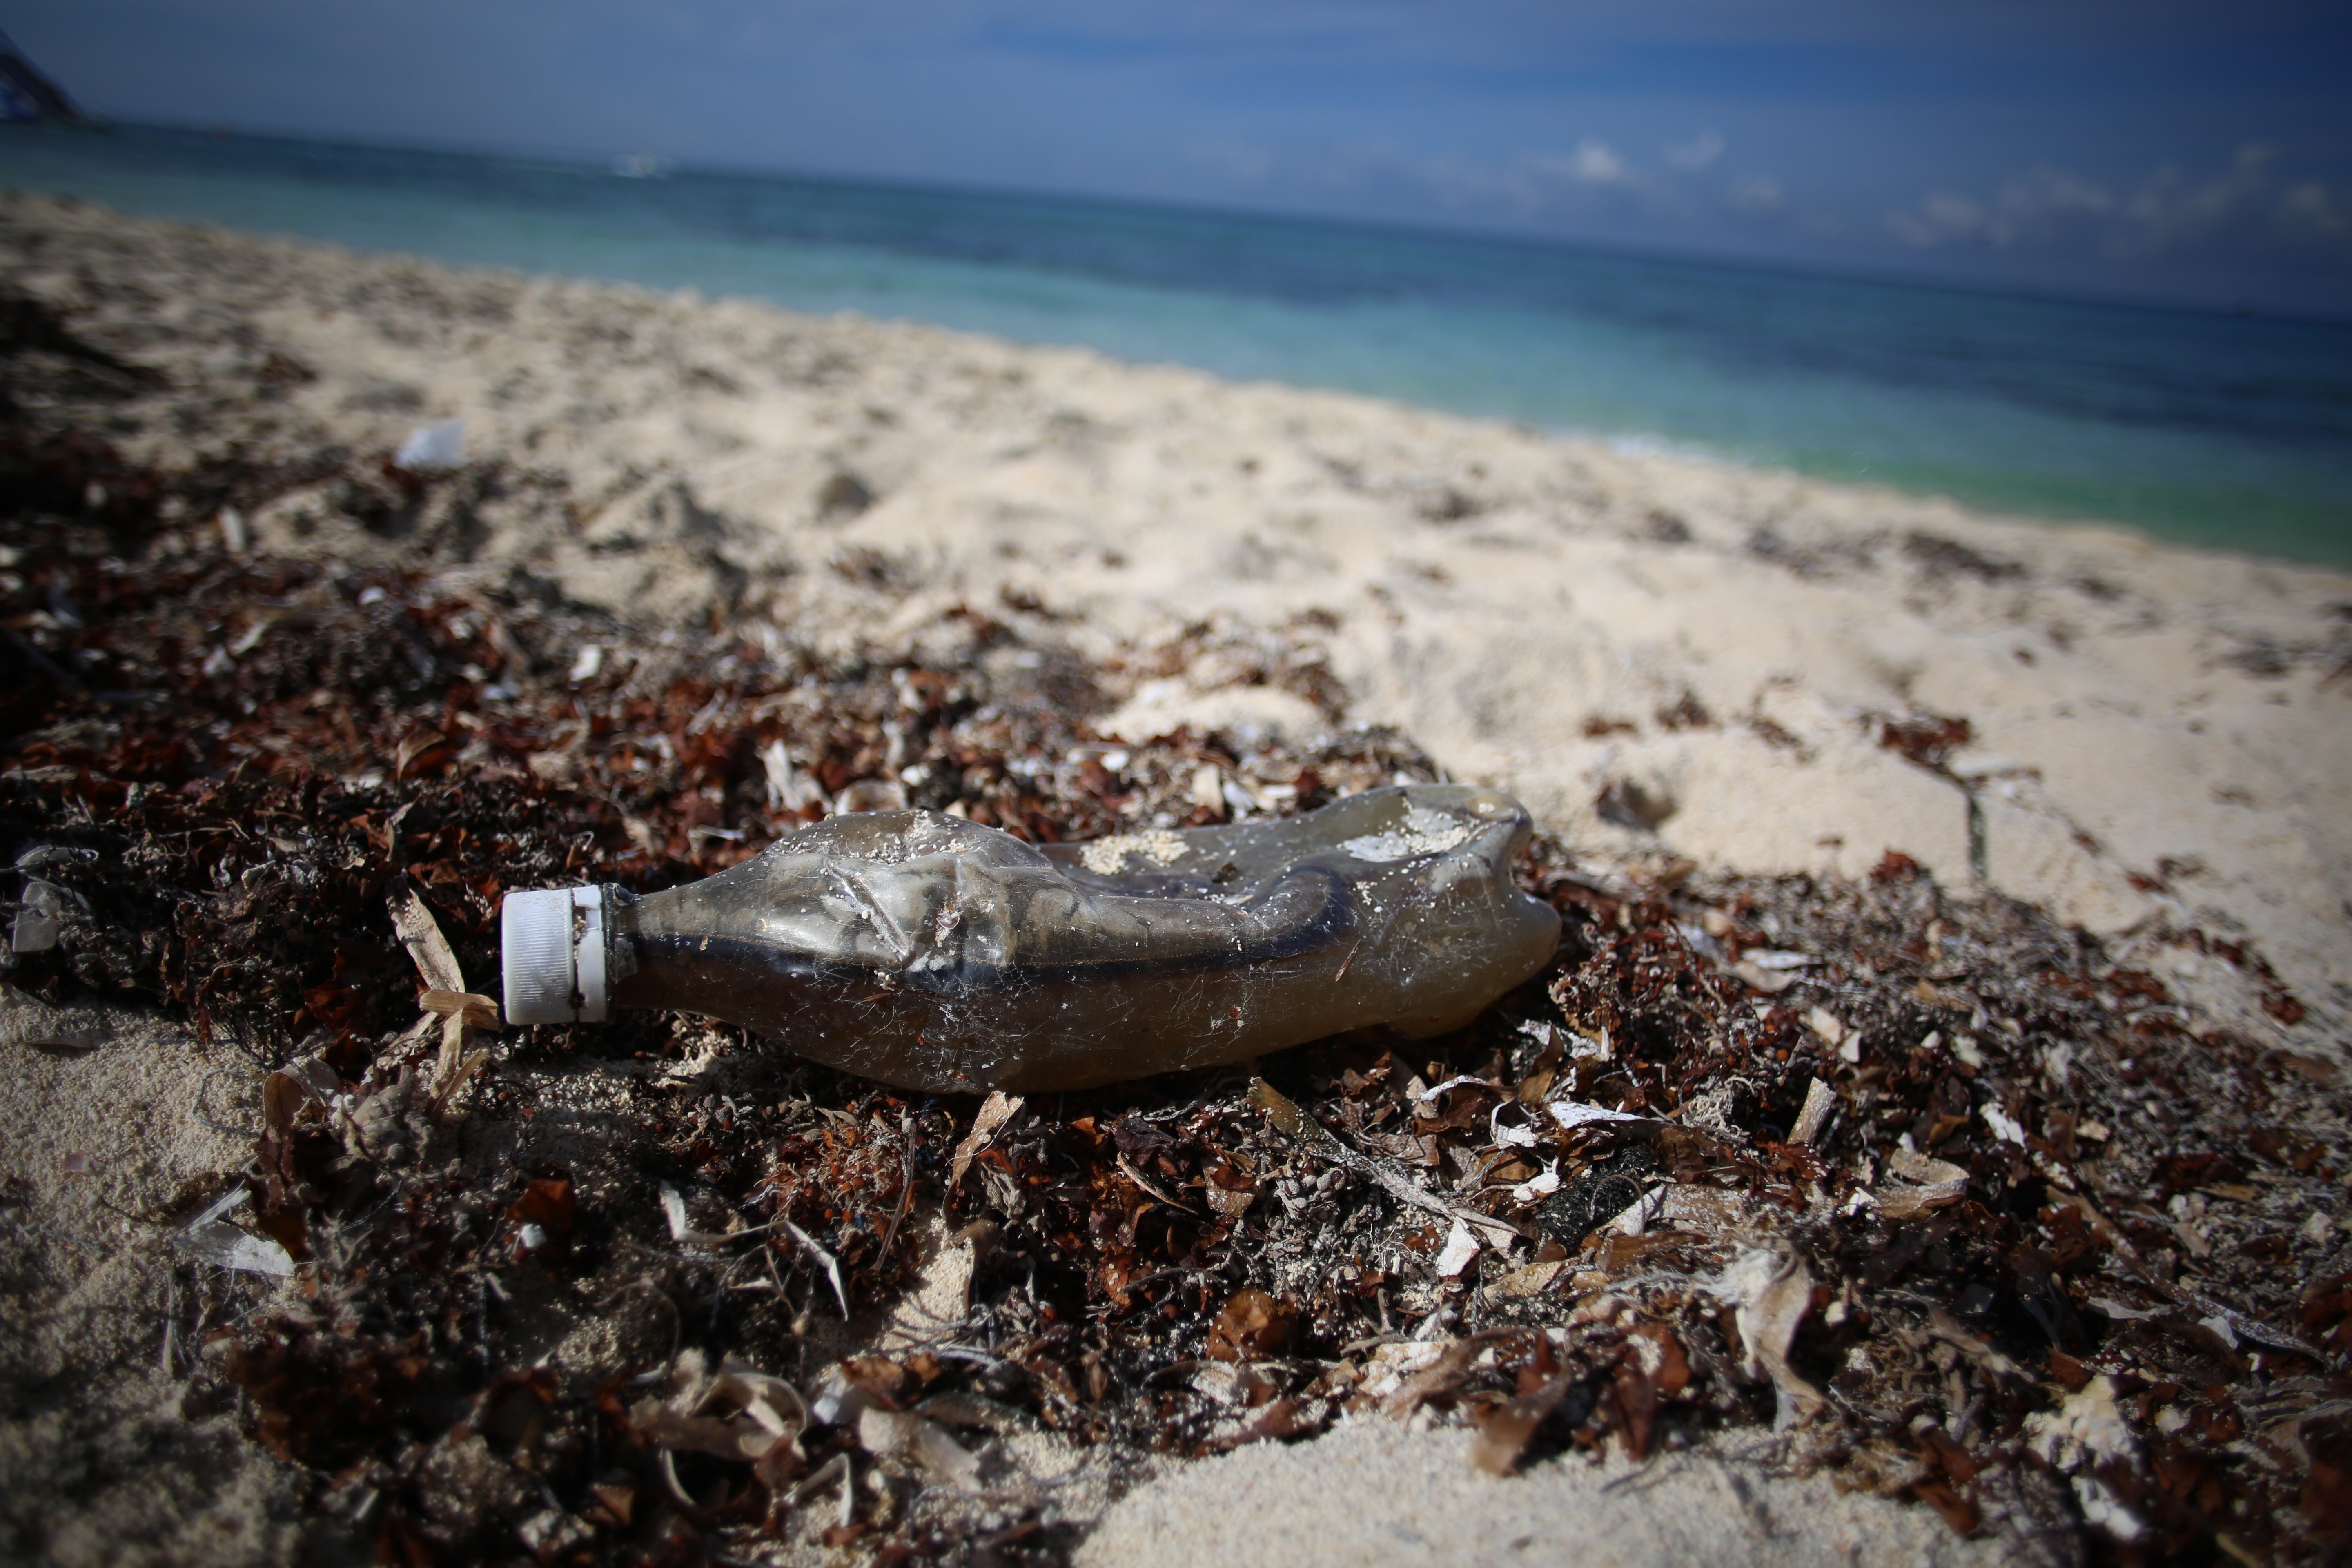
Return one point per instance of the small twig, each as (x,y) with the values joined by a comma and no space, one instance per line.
(906,1183)
(1287,1117)
(1136,1177)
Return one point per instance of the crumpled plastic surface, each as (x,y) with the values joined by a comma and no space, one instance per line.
(932,953)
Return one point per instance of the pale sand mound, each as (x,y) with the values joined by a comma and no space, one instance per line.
(2160,736)
(1376,1494)
(100,1461)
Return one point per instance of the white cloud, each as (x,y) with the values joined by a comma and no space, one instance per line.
(1699,152)
(1761,193)
(2047,207)
(1594,163)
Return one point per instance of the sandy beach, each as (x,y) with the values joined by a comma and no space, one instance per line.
(1667,657)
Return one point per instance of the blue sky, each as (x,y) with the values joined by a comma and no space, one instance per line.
(2158,148)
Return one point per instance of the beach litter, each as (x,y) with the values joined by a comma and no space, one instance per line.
(928,952)
(431,447)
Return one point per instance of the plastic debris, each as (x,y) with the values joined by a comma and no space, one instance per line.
(433,446)
(894,1434)
(934,953)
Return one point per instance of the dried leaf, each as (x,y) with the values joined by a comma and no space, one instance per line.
(472,1008)
(1770,1293)
(997,1109)
(1940,1182)
(430,951)
(1252,1326)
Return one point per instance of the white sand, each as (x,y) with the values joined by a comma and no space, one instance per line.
(1372,1494)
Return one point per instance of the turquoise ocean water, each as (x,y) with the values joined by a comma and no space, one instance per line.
(2211,428)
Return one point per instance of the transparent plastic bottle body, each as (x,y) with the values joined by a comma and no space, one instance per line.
(934,955)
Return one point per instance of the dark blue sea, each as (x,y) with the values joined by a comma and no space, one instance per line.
(2218,429)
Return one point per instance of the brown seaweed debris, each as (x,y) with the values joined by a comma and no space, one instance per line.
(1974,1214)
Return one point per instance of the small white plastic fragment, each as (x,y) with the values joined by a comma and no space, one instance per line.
(588,661)
(1771,982)
(234,537)
(431,447)
(674,1211)
(892,1434)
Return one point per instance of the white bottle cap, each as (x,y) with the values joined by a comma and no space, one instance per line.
(552,950)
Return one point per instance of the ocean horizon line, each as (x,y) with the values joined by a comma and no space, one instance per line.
(601,165)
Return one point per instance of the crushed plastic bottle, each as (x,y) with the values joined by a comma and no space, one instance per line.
(935,955)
